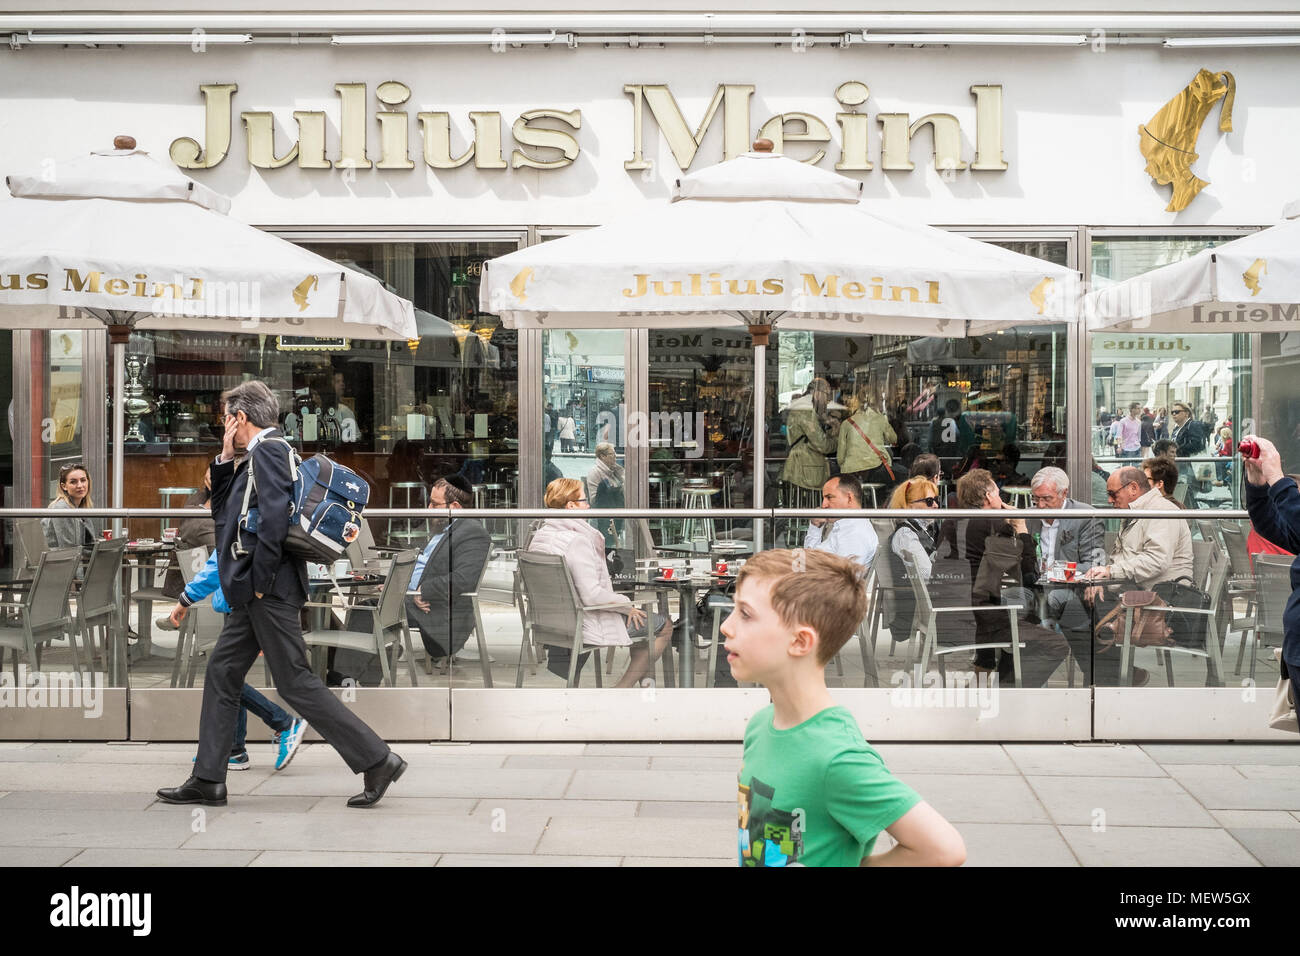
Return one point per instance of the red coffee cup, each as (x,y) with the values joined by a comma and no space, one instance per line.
(722,567)
(108,534)
(1070,568)
(1249,448)
(666,573)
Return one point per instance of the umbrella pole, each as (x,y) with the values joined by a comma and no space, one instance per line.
(118,336)
(759,333)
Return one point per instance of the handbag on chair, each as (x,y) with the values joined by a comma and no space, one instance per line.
(1150,621)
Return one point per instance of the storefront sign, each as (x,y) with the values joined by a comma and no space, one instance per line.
(554,132)
(1168,139)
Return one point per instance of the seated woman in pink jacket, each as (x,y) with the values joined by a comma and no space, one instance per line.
(583,550)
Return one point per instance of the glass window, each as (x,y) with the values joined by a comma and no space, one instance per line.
(1148,387)
(399,414)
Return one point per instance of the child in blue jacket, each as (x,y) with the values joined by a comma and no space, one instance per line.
(289,730)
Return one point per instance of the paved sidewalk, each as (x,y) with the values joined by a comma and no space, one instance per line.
(637,805)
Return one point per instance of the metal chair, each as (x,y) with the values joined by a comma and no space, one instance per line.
(1241,586)
(388,624)
(1215,584)
(31,535)
(1273,579)
(42,613)
(927,617)
(99,605)
(202,625)
(554,612)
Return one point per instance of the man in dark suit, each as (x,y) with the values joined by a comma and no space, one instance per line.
(448,568)
(1062,540)
(266,589)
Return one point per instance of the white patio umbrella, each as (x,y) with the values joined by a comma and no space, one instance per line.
(118,240)
(763,240)
(1245,285)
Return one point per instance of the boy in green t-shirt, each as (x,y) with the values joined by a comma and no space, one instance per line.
(812,792)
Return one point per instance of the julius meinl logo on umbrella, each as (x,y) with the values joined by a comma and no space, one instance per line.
(75,909)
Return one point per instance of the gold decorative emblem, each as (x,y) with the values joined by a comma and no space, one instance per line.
(520,282)
(1168,140)
(1039,293)
(1251,276)
(301,289)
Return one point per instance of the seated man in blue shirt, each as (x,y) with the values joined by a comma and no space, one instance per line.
(448,568)
(852,538)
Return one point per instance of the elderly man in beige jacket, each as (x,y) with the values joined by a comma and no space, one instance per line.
(1147,552)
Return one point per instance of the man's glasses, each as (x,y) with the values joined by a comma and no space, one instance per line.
(1043,499)
(1112,495)
(930,502)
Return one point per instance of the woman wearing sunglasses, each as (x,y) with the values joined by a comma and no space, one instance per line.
(917,537)
(74,492)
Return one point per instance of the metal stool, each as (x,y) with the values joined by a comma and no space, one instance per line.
(167,494)
(698,496)
(494,495)
(407,530)
(1018,492)
(722,480)
(660,495)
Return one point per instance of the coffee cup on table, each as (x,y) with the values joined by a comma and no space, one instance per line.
(666,572)
(1070,568)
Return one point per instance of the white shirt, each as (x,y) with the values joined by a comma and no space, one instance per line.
(1051,528)
(848,537)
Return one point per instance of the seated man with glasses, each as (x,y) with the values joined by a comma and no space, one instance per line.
(852,538)
(1061,541)
(1146,553)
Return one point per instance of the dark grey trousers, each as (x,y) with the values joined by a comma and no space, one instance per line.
(272,626)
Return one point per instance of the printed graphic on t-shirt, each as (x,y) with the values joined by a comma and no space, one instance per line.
(767,836)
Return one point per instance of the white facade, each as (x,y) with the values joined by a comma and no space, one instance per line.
(1069,131)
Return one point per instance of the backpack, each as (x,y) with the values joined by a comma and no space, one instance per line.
(325,510)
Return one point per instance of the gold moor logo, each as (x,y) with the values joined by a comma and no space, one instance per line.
(301,289)
(1168,140)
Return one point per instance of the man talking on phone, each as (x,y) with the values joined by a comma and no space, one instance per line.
(266,589)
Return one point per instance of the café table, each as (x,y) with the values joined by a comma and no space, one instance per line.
(687,584)
(1054,581)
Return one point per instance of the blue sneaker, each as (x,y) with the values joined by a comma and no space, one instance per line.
(236,761)
(289,741)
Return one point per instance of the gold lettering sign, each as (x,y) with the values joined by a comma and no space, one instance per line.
(546,138)
(828,286)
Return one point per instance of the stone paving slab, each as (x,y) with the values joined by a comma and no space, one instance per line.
(167,858)
(637,837)
(1272,847)
(577,762)
(994,799)
(125,778)
(1219,790)
(1083,761)
(1013,844)
(1283,755)
(1119,802)
(62,800)
(36,855)
(369,831)
(1256,820)
(488,859)
(92,828)
(420,781)
(677,861)
(1156,846)
(653,785)
(338,858)
(946,758)
(717,810)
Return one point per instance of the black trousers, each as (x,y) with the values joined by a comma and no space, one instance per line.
(272,626)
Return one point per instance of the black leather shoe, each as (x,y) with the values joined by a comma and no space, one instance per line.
(378,778)
(195,790)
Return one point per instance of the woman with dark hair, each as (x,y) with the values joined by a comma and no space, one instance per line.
(74,492)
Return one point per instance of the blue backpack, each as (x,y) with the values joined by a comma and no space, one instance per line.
(325,512)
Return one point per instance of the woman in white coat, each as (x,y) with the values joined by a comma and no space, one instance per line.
(583,550)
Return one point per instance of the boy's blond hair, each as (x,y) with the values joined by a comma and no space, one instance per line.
(814,589)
